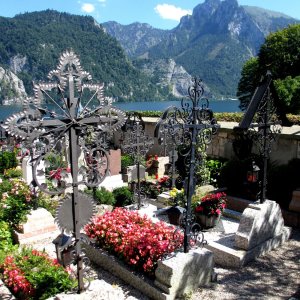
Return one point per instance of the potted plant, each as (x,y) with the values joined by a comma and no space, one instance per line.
(209,209)
(176,212)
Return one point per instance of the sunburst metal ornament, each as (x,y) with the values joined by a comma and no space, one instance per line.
(71,122)
(64,217)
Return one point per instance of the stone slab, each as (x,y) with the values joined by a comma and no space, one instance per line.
(227,255)
(258,223)
(163,198)
(185,272)
(112,182)
(5,293)
(237,204)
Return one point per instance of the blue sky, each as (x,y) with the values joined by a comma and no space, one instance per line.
(163,14)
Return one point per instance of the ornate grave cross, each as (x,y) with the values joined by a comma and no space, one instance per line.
(67,123)
(190,127)
(169,134)
(265,127)
(137,144)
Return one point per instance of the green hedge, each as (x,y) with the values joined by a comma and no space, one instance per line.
(224,116)
(8,160)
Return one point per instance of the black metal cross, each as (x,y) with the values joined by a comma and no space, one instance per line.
(194,126)
(76,114)
(136,143)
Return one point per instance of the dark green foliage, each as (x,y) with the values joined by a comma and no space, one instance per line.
(102,196)
(7,160)
(280,55)
(123,196)
(126,161)
(215,166)
(39,38)
(233,177)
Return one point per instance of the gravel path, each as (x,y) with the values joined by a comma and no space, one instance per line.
(275,275)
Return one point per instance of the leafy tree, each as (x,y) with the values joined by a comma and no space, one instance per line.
(280,54)
(248,82)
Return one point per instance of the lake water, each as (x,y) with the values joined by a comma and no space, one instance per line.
(216,106)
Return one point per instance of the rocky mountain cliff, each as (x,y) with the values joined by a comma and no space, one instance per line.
(11,87)
(212,43)
(135,38)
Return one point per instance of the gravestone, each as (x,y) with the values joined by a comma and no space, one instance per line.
(39,225)
(259,222)
(27,170)
(132,173)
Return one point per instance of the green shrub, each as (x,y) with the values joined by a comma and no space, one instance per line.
(102,196)
(12,173)
(6,240)
(16,200)
(46,201)
(214,166)
(123,196)
(126,161)
(8,160)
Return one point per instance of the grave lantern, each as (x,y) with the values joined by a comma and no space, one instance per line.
(253,173)
(64,247)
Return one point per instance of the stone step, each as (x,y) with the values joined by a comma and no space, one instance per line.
(232,214)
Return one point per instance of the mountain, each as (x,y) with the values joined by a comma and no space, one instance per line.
(31,43)
(135,38)
(212,43)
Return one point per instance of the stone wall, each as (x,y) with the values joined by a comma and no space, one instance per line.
(286,147)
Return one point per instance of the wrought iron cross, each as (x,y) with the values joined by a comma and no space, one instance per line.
(265,128)
(137,144)
(67,123)
(192,127)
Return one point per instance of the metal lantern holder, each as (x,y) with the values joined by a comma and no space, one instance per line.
(190,127)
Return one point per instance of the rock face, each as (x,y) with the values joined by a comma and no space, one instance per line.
(11,86)
(17,63)
(135,38)
(168,74)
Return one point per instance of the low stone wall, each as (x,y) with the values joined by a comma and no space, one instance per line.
(286,147)
(174,276)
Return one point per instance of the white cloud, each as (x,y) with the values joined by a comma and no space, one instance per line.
(101,1)
(171,12)
(87,7)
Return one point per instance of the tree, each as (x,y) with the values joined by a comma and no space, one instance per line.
(279,54)
(248,82)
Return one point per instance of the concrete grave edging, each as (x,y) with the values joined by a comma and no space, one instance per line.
(175,276)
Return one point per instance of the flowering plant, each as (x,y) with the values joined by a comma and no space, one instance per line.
(16,200)
(211,204)
(32,274)
(134,238)
(178,196)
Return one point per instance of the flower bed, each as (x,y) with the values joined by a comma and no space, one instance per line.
(31,274)
(134,238)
